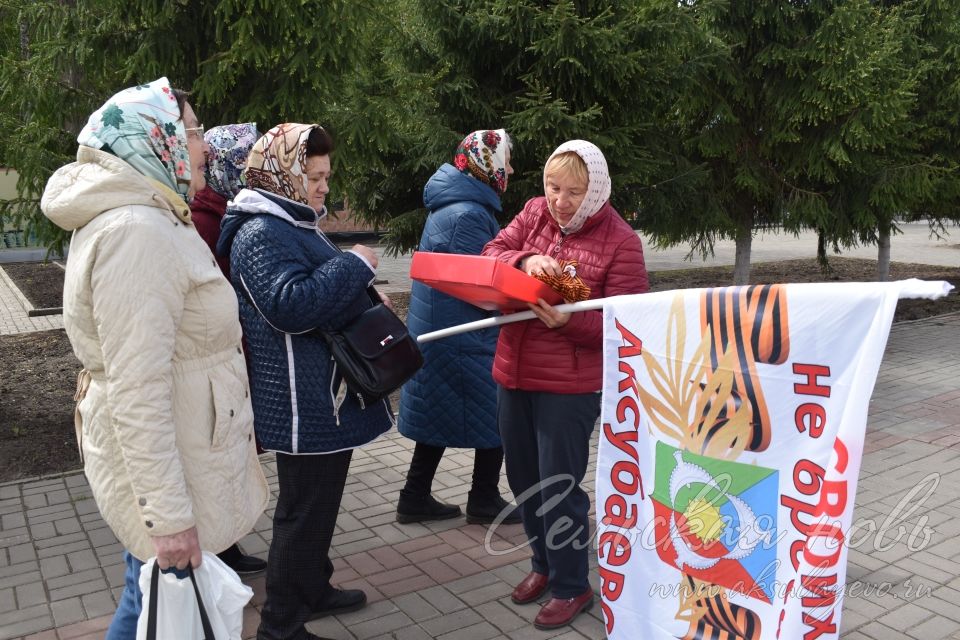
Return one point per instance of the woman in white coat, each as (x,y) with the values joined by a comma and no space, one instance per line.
(167,427)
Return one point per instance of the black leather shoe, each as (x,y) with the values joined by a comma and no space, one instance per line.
(487,511)
(242,564)
(424,510)
(340,601)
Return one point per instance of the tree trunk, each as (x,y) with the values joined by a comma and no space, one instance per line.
(883,254)
(741,265)
(24,41)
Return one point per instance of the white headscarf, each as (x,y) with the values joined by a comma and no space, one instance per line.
(598,184)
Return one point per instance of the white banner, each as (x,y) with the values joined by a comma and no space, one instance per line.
(732,433)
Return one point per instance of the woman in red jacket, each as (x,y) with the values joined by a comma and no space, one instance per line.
(549,370)
(229,145)
(227,149)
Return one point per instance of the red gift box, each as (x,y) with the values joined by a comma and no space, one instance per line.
(480,280)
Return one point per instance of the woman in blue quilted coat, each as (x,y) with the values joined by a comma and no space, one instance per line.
(292,283)
(452,400)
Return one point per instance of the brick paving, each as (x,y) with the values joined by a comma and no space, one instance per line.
(61,570)
(13,313)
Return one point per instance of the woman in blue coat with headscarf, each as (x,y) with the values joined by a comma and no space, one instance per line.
(452,400)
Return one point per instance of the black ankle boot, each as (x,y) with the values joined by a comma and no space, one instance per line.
(340,601)
(424,509)
(487,510)
(241,563)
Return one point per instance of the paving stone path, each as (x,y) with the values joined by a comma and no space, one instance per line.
(61,570)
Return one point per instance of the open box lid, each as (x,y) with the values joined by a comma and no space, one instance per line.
(482,281)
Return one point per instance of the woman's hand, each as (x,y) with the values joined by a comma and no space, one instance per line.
(536,264)
(385,299)
(178,550)
(369,254)
(549,315)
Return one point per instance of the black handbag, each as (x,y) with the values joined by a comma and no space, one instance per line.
(152,611)
(375,354)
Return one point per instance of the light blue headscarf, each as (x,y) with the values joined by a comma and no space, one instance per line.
(229,147)
(143,126)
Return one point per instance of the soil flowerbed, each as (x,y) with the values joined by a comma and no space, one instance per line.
(40,282)
(38,370)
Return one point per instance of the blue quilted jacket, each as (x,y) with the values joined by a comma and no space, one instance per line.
(452,400)
(299,281)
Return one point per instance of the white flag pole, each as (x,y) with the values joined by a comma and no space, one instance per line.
(916,288)
(586,305)
(912,288)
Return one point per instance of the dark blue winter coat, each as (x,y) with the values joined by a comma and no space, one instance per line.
(299,282)
(452,400)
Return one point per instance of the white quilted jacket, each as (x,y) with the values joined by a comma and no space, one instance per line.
(167,435)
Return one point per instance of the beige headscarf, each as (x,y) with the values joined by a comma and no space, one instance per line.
(278,159)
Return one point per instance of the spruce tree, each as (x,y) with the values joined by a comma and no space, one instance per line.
(919,177)
(808,99)
(717,118)
(51,78)
(546,71)
(242,62)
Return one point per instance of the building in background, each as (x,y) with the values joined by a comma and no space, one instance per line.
(341,220)
(10,237)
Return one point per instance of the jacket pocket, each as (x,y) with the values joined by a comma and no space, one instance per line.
(227,409)
(83,384)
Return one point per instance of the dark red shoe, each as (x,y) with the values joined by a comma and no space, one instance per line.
(531,588)
(559,613)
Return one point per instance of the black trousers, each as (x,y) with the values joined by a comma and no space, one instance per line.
(546,439)
(299,567)
(426,459)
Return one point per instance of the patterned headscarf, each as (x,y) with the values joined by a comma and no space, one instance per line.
(277,162)
(229,146)
(143,126)
(483,155)
(598,185)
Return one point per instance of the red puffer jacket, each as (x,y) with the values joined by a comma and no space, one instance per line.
(532,357)
(206,211)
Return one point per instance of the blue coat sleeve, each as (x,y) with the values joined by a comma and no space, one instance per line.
(473,229)
(470,235)
(292,291)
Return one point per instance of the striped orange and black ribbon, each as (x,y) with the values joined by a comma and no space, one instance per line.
(752,320)
(718,619)
(568,284)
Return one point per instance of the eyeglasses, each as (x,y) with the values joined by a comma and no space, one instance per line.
(196,132)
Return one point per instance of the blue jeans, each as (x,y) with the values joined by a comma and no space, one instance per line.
(124,623)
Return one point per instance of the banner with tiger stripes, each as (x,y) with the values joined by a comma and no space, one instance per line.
(732,432)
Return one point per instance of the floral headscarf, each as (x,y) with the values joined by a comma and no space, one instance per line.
(598,184)
(143,126)
(483,155)
(229,146)
(278,159)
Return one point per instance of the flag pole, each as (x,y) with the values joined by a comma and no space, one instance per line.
(910,288)
(496,321)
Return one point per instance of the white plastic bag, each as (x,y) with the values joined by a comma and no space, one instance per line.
(178,616)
